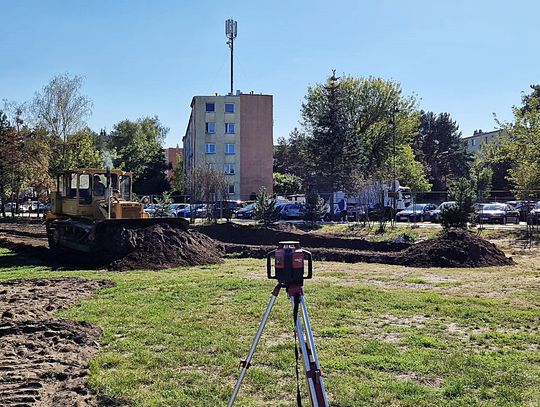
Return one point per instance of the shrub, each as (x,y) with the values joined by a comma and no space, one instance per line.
(265,207)
(457,215)
(314,206)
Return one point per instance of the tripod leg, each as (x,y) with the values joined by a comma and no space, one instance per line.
(320,393)
(247,362)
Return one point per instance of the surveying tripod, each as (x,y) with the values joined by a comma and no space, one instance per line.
(289,272)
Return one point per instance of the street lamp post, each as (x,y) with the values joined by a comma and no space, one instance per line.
(394,190)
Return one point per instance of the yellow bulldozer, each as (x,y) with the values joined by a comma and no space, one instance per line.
(90,206)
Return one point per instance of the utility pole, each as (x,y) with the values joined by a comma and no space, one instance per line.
(395,110)
(231,32)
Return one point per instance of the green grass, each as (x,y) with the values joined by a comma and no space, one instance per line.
(175,337)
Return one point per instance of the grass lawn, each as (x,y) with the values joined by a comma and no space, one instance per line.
(386,335)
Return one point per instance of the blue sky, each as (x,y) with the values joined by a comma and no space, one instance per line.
(467,58)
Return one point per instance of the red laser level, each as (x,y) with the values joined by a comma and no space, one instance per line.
(289,271)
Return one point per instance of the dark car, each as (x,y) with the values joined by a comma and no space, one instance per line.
(497,213)
(186,212)
(416,212)
(225,208)
(524,207)
(246,212)
(434,214)
(534,215)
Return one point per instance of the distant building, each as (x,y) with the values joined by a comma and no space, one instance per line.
(234,133)
(171,158)
(480,139)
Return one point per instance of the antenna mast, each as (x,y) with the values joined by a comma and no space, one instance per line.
(230,32)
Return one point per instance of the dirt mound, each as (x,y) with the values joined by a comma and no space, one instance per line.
(44,361)
(454,249)
(270,236)
(160,246)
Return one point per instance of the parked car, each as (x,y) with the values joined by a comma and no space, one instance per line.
(228,206)
(434,214)
(186,211)
(201,210)
(524,207)
(246,212)
(292,211)
(534,215)
(176,207)
(497,213)
(416,212)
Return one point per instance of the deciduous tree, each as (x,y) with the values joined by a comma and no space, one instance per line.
(137,147)
(61,108)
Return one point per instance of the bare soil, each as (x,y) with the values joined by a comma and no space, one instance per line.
(44,361)
(160,246)
(451,249)
(155,247)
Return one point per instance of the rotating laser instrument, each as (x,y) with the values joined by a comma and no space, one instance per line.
(289,272)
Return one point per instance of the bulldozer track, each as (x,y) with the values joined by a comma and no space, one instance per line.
(43,361)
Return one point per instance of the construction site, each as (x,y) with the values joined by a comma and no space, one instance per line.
(56,351)
(150,216)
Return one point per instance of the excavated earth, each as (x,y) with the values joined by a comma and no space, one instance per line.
(155,247)
(160,246)
(451,249)
(44,361)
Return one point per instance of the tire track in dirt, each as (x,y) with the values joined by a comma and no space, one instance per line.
(44,361)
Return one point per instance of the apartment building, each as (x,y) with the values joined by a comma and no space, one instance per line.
(233,133)
(480,139)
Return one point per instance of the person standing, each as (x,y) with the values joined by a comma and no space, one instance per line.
(342,205)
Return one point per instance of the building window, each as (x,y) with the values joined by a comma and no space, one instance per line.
(210,107)
(210,148)
(230,148)
(229,168)
(211,127)
(473,142)
(229,107)
(486,139)
(231,188)
(229,128)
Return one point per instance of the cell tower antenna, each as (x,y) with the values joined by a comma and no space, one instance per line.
(231,32)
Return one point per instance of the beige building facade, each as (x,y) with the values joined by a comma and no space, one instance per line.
(480,139)
(233,133)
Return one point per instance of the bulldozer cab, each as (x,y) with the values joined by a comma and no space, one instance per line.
(88,192)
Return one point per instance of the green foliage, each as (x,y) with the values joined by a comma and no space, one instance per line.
(178,177)
(351,124)
(24,159)
(441,149)
(290,155)
(314,205)
(82,150)
(265,207)
(137,147)
(456,216)
(162,205)
(516,158)
(410,171)
(287,184)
